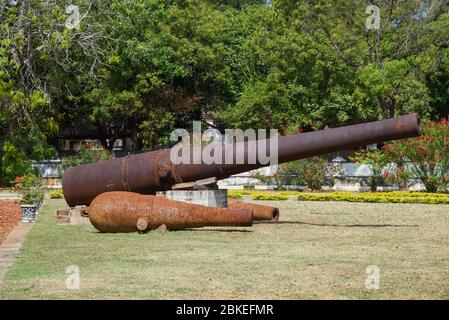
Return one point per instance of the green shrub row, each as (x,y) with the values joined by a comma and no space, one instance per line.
(377,197)
(258,195)
(373,198)
(56,194)
(270,196)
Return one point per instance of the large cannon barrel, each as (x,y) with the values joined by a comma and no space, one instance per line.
(149,172)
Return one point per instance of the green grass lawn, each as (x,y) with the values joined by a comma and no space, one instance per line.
(317,250)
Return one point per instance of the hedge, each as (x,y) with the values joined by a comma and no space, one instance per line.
(56,194)
(377,197)
(257,195)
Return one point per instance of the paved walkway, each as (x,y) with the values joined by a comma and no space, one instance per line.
(11,247)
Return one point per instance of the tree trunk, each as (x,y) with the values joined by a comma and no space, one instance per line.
(388,106)
(383,107)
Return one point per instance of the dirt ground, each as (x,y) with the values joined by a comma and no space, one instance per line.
(9,217)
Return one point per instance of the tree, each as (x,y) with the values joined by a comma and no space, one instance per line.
(166,67)
(35,63)
(389,62)
(314,64)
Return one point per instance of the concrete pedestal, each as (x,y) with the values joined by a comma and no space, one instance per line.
(77,217)
(209,198)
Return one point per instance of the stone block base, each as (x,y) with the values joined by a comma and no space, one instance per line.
(208,198)
(78,217)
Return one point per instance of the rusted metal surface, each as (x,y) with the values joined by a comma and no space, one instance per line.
(149,172)
(260,212)
(132,212)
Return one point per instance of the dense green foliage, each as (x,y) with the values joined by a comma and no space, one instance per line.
(85,156)
(142,68)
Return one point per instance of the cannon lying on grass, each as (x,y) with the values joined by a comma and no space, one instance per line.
(260,212)
(131,212)
(154,171)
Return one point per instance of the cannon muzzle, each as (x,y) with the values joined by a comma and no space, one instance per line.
(149,172)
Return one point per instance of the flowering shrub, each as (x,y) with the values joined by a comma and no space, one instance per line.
(398,175)
(30,189)
(313,173)
(429,155)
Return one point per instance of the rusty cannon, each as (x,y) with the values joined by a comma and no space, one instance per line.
(114,212)
(149,172)
(260,212)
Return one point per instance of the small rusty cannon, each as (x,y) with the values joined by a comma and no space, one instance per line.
(154,171)
(132,212)
(260,212)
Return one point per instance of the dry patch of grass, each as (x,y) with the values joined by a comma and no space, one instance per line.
(317,250)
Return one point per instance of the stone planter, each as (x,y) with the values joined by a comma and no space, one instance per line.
(28,212)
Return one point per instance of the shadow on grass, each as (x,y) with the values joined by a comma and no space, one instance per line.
(341,225)
(214,230)
(179,230)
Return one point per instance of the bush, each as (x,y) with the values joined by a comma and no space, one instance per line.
(30,189)
(378,160)
(257,195)
(15,163)
(379,197)
(311,173)
(269,196)
(429,155)
(19,150)
(237,194)
(56,194)
(398,175)
(86,156)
